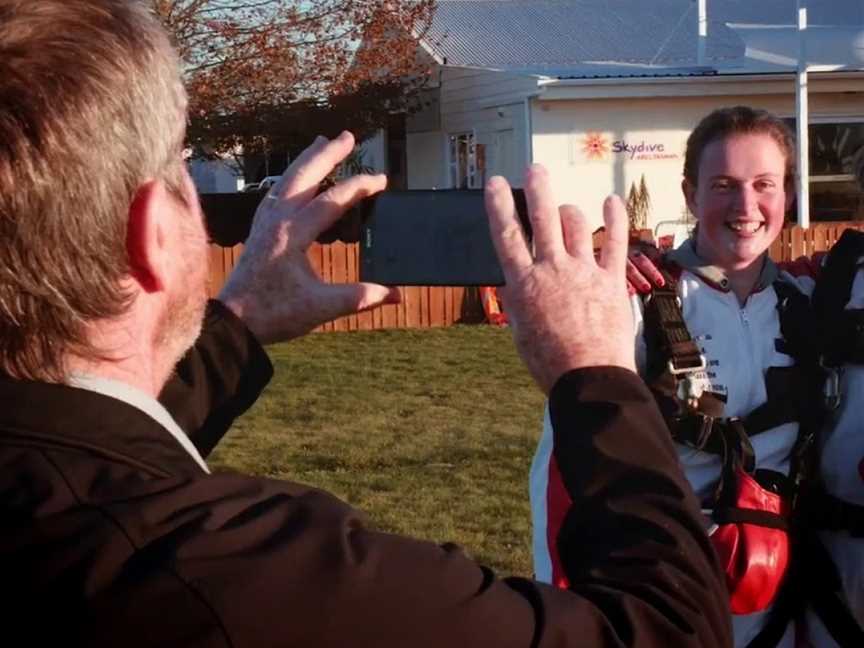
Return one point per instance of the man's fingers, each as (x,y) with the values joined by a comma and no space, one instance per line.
(331,205)
(646,268)
(613,255)
(339,300)
(300,181)
(543,212)
(507,236)
(577,234)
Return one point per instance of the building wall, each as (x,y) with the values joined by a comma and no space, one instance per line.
(427,163)
(651,134)
(657,116)
(489,104)
(215,176)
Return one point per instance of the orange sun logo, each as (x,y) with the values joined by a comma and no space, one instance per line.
(594,146)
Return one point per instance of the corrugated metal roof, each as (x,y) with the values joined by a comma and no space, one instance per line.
(562,34)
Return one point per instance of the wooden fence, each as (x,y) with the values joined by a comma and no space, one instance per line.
(421,306)
(795,242)
(425,307)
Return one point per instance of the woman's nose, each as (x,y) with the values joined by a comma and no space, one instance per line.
(746,199)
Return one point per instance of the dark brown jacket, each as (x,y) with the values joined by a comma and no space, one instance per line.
(111,535)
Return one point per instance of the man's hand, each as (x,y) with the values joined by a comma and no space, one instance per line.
(566,310)
(273,289)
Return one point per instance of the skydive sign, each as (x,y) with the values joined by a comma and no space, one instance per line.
(644,150)
(597,146)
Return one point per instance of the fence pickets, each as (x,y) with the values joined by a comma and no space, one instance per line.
(421,306)
(434,306)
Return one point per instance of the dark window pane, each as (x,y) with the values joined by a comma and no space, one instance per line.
(832,147)
(836,201)
(834,196)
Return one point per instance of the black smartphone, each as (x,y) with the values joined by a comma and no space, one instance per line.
(431,238)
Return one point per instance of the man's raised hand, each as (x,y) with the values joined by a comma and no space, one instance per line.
(567,310)
(274,289)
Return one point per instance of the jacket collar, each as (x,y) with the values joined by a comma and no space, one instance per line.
(686,257)
(51,415)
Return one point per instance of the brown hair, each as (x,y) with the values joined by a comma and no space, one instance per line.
(738,120)
(91,106)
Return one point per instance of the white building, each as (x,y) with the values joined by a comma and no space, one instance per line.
(604,93)
(215,176)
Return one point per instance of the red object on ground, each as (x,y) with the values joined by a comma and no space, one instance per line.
(492,306)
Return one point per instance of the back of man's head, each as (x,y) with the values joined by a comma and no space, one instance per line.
(91,106)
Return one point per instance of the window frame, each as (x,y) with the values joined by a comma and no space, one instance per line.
(472,170)
(825,179)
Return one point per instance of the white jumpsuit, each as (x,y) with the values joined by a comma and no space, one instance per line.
(739,346)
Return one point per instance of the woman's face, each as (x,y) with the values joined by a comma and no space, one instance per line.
(740,200)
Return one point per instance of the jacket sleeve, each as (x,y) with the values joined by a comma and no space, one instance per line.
(282,564)
(550,502)
(218,379)
(632,542)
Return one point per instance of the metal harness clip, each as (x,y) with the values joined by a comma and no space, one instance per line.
(831,386)
(689,390)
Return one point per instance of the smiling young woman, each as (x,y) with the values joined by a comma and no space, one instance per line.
(739,176)
(710,346)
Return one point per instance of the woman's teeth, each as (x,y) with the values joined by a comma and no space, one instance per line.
(748,227)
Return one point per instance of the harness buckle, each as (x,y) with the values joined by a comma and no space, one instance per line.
(703,363)
(689,390)
(831,386)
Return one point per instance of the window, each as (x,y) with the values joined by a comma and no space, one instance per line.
(464,172)
(834,193)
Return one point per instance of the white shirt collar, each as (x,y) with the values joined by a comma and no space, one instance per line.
(142,401)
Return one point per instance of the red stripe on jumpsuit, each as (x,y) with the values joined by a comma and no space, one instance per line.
(558,502)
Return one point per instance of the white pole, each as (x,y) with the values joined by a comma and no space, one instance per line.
(802,114)
(703,32)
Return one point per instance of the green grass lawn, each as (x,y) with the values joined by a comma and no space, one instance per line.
(431,432)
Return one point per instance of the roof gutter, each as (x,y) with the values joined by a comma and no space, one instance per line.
(545,82)
(695,86)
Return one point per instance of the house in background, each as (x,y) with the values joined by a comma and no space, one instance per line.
(605,92)
(215,176)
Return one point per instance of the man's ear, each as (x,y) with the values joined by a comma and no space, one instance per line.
(689,192)
(147,237)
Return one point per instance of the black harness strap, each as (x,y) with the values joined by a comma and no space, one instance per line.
(786,390)
(674,341)
(829,513)
(735,515)
(838,329)
(819,578)
(844,338)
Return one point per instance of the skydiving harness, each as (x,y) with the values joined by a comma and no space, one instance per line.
(750,508)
